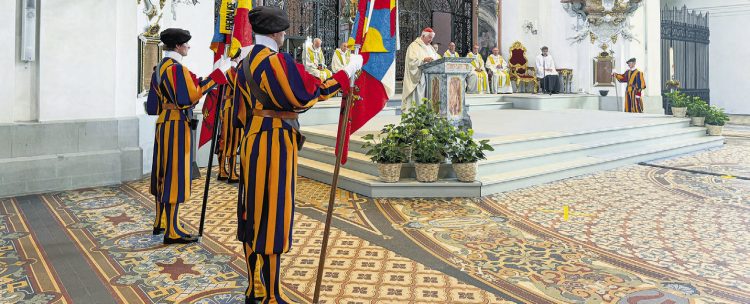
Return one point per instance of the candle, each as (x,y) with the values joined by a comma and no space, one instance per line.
(671,63)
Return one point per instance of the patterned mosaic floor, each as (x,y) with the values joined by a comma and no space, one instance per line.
(678,233)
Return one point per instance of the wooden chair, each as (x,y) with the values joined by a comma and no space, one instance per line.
(520,72)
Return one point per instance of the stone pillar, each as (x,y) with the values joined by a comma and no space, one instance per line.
(487,25)
(500,25)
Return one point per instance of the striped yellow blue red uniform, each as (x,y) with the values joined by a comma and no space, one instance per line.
(268,154)
(230,134)
(178,90)
(636,84)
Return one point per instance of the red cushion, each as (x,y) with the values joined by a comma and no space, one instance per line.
(525,76)
(516,57)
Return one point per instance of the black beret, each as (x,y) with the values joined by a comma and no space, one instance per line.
(268,20)
(174,36)
(631,60)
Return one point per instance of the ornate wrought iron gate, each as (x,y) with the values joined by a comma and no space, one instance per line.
(686,33)
(314,18)
(415,15)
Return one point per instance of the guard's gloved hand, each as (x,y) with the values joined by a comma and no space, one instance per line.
(355,64)
(220,68)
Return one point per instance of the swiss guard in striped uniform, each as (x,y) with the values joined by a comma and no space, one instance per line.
(229,138)
(174,91)
(271,90)
(636,84)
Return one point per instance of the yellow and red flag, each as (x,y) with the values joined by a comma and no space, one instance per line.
(375,29)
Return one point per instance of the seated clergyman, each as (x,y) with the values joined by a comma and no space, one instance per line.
(314,61)
(547,72)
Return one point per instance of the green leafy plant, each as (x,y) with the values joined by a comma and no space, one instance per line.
(716,116)
(678,99)
(464,149)
(427,149)
(697,107)
(428,133)
(386,148)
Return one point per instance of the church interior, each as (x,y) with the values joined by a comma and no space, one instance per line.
(605,147)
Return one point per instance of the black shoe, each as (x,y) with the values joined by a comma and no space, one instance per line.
(183,240)
(158,231)
(221,178)
(249,300)
(233,181)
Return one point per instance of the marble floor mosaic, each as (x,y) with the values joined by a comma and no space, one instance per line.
(670,231)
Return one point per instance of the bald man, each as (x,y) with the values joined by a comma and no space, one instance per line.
(419,52)
(500,80)
(340,57)
(476,83)
(314,61)
(451,51)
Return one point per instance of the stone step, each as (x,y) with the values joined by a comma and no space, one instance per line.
(509,160)
(369,185)
(523,142)
(526,177)
(528,158)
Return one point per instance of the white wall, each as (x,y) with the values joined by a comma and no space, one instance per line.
(7,58)
(199,21)
(555,26)
(728,64)
(728,48)
(126,65)
(85,61)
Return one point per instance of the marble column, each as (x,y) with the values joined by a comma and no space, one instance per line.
(487,25)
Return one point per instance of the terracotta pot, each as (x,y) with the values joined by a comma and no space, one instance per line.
(714,130)
(466,172)
(427,173)
(679,112)
(389,173)
(698,121)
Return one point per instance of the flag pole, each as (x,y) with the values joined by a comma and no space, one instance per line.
(334,183)
(222,92)
(617,93)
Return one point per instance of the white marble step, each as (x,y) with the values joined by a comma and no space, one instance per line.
(525,177)
(531,157)
(367,184)
(371,186)
(522,142)
(510,160)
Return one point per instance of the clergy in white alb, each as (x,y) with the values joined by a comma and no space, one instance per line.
(476,82)
(340,58)
(418,53)
(315,62)
(546,71)
(451,51)
(500,80)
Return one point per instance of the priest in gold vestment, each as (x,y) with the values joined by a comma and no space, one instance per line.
(418,53)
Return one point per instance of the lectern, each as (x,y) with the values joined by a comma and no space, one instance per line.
(446,88)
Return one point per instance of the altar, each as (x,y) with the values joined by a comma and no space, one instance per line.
(446,88)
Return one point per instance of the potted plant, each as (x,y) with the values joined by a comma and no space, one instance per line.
(679,102)
(420,118)
(715,120)
(387,150)
(465,152)
(697,110)
(428,153)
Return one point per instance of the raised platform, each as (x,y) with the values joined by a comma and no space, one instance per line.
(553,102)
(531,147)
